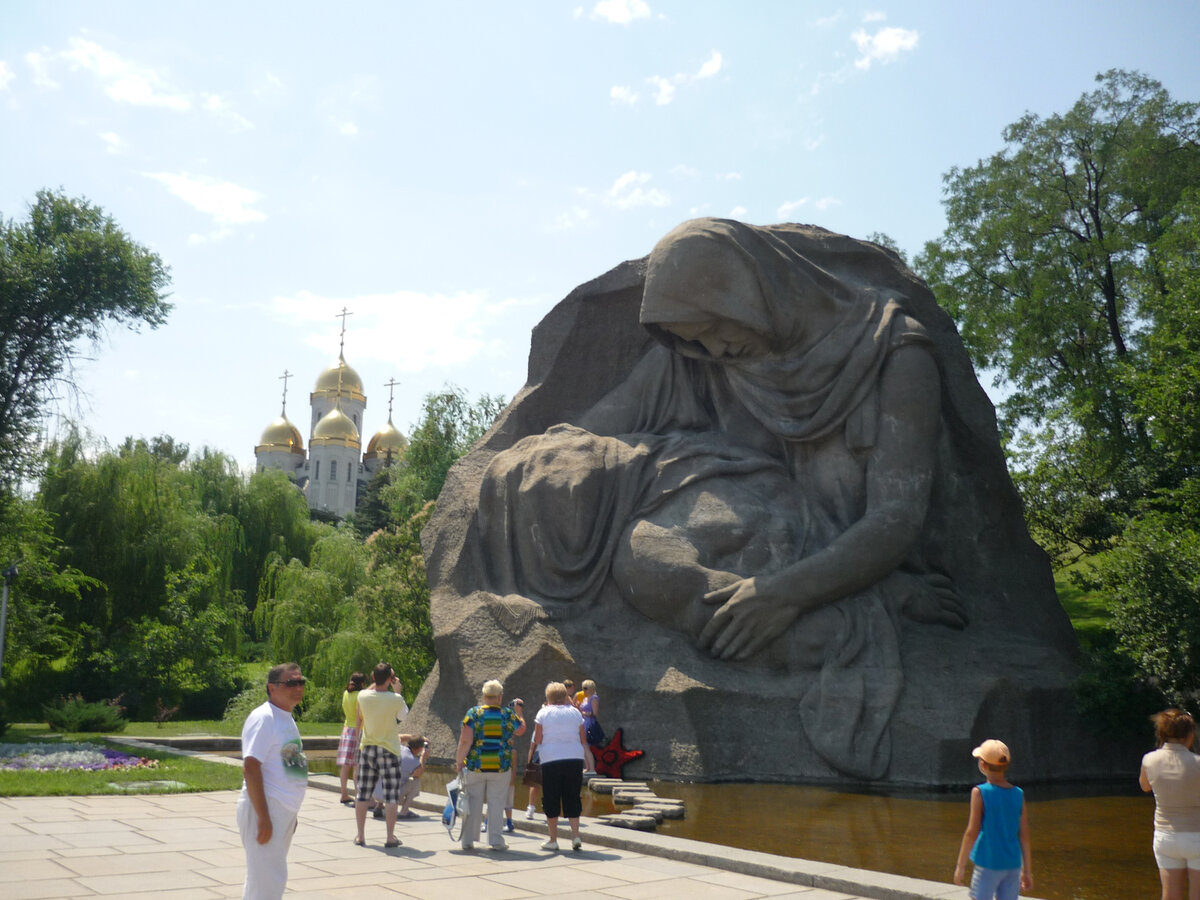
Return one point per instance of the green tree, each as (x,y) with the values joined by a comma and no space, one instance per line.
(67,273)
(1052,265)
(449,427)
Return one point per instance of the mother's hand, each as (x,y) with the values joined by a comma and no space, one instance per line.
(750,618)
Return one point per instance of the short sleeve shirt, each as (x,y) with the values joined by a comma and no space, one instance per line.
(350,709)
(270,735)
(494,726)
(381,710)
(1174,773)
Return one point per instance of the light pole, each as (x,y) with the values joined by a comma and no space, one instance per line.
(9,574)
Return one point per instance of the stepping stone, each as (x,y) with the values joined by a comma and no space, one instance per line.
(627,820)
(667,812)
(628,798)
(606,785)
(655,814)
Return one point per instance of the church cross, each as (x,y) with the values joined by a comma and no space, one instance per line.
(284,378)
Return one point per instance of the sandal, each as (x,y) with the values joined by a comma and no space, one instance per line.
(346,801)
(394,842)
(359,842)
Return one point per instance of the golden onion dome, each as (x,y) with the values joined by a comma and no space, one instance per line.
(340,372)
(280,435)
(335,425)
(387,442)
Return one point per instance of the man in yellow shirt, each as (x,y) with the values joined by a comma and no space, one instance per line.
(378,711)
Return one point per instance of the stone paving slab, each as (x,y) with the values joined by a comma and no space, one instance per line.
(187,846)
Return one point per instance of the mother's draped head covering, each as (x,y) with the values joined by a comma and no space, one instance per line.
(829,327)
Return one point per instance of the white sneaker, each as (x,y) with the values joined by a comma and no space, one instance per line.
(468,845)
(498,847)
(550,845)
(484,826)
(529,812)
(576,843)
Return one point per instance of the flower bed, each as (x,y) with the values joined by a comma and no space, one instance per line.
(43,757)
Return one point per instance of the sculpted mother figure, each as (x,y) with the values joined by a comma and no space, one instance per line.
(759,481)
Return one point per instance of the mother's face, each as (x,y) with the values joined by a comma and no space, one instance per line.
(721,338)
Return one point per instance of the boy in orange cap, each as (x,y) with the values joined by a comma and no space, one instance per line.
(997,835)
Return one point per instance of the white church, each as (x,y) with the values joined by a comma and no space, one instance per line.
(335,466)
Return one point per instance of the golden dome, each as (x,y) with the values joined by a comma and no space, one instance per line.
(280,435)
(336,427)
(387,443)
(327,381)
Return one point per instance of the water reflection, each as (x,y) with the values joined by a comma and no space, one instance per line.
(1090,842)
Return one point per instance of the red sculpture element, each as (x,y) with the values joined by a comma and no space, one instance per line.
(611,757)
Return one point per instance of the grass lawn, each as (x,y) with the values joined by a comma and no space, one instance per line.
(217,726)
(191,774)
(1088,610)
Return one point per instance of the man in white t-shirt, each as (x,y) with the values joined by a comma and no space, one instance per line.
(275,776)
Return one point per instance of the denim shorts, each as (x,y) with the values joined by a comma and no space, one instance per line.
(1177,849)
(995,884)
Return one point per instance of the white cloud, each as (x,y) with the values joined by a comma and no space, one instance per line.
(455,328)
(710,68)
(814,142)
(884,46)
(629,191)
(227,203)
(219,106)
(112,139)
(828,202)
(349,129)
(664,89)
(6,75)
(788,209)
(874,15)
(619,93)
(682,171)
(124,81)
(620,12)
(738,212)
(39,67)
(827,21)
(731,176)
(572,218)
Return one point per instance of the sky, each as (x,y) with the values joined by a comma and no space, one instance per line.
(447,172)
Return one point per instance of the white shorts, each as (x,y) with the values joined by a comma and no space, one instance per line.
(1177,849)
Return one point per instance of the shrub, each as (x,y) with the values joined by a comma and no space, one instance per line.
(74,714)
(322,705)
(242,704)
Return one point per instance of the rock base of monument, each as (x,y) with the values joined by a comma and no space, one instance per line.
(700,719)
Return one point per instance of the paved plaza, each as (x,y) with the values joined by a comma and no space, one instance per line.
(187,846)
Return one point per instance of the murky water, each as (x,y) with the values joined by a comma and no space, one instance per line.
(1089,842)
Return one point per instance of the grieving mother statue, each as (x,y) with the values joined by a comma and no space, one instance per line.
(760,481)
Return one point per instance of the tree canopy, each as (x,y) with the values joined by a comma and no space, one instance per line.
(1057,264)
(1070,262)
(67,273)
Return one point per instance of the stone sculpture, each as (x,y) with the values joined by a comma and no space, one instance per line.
(752,486)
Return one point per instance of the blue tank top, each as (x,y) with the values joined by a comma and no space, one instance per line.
(998,845)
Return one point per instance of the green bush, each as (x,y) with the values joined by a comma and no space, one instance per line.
(322,705)
(74,714)
(242,704)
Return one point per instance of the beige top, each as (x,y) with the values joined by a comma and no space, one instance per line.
(1174,773)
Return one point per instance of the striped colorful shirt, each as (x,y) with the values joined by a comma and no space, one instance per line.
(491,751)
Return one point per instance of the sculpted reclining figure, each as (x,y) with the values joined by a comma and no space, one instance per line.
(760,481)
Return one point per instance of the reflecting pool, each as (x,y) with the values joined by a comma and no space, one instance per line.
(1090,842)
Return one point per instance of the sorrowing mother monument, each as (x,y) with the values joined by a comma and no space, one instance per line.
(752,487)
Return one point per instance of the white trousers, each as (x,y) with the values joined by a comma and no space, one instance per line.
(266,864)
(492,787)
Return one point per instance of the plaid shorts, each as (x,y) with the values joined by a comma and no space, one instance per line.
(378,764)
(348,747)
